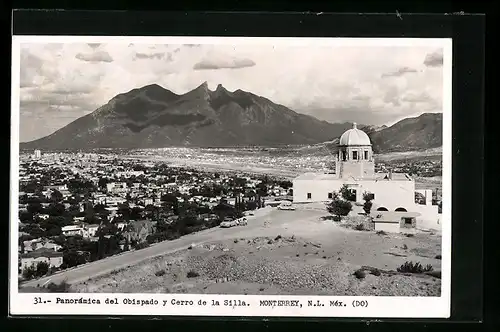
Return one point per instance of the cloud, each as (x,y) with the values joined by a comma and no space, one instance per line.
(94,45)
(156,55)
(336,84)
(400,72)
(210,64)
(100,56)
(416,97)
(434,59)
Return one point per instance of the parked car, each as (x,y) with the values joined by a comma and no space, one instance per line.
(231,223)
(286,205)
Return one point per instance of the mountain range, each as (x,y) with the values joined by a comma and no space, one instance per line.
(154,117)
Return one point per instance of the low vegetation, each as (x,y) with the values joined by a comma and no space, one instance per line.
(192,274)
(62,287)
(36,271)
(160,273)
(410,267)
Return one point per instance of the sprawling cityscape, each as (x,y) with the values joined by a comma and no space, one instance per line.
(76,208)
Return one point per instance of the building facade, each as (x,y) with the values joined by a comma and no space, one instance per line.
(354,167)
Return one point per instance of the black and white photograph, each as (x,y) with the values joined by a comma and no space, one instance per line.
(311,171)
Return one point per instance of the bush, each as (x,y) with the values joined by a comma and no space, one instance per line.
(368,196)
(339,207)
(381,233)
(42,268)
(160,273)
(359,227)
(367,206)
(63,287)
(409,267)
(192,274)
(29,272)
(347,194)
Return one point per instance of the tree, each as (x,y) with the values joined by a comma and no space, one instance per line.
(367,206)
(29,272)
(56,196)
(346,193)
(339,207)
(169,201)
(35,207)
(42,268)
(262,189)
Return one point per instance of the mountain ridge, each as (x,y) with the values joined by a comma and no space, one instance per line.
(155,117)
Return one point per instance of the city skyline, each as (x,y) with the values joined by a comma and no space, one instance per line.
(62,82)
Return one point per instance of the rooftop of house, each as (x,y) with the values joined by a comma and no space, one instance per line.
(376,177)
(42,252)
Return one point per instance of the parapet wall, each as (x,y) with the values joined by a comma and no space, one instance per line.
(429,217)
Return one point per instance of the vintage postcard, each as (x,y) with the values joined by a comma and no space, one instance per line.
(204,176)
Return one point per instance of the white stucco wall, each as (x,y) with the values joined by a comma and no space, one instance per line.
(387,227)
(52,261)
(429,217)
(390,194)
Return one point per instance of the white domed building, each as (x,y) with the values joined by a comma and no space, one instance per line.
(355,167)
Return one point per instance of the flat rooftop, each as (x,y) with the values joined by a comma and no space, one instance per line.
(376,177)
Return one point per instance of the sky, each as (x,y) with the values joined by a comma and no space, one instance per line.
(371,85)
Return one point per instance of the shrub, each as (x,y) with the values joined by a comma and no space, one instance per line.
(409,267)
(42,268)
(192,274)
(160,273)
(339,207)
(359,227)
(381,233)
(367,206)
(347,194)
(29,272)
(360,274)
(367,196)
(63,287)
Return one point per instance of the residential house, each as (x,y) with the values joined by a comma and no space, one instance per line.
(53,258)
(89,231)
(72,230)
(36,244)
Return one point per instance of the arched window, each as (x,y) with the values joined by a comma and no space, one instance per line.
(400,209)
(382,209)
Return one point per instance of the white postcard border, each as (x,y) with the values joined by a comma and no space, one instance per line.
(380,307)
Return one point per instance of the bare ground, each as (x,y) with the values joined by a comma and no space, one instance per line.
(320,262)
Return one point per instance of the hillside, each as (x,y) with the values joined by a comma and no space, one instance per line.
(410,134)
(153,117)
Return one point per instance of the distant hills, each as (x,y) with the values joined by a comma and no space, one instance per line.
(410,134)
(154,117)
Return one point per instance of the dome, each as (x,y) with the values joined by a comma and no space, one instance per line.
(354,136)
